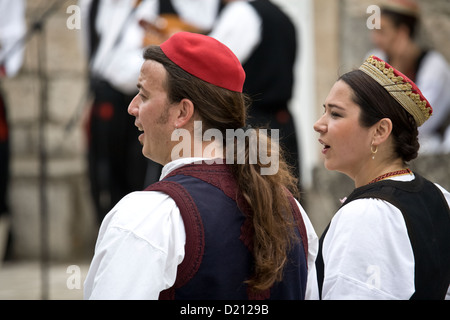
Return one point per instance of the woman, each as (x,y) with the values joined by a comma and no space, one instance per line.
(208,229)
(390,238)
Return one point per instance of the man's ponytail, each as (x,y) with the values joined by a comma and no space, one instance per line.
(272,220)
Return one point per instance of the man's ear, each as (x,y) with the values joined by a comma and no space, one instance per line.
(184,113)
(382,131)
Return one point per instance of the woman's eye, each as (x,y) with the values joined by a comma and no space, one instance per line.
(335,115)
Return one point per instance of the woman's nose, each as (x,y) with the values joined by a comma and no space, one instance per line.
(320,125)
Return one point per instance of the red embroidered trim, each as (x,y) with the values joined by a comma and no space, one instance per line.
(194,231)
(391,174)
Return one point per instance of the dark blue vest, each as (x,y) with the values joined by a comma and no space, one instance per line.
(427,218)
(218,257)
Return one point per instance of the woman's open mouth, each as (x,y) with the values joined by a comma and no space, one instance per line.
(326,147)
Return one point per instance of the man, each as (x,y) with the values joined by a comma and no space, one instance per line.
(207,230)
(113,52)
(396,44)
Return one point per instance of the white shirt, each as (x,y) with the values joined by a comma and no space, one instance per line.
(239,27)
(367,252)
(119,55)
(141,243)
(12,30)
(433,79)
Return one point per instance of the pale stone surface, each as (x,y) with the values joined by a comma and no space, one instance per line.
(23,281)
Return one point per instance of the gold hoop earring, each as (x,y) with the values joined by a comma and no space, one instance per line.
(373,151)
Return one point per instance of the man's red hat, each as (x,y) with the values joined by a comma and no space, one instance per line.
(205,58)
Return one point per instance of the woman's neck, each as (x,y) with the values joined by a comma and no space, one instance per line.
(376,170)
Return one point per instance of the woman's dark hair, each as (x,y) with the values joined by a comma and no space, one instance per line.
(376,103)
(267,196)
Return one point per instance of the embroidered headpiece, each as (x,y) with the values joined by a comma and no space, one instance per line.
(400,87)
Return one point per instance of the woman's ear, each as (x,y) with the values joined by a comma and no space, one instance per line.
(382,131)
(184,113)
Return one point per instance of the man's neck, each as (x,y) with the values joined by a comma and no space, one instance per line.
(406,62)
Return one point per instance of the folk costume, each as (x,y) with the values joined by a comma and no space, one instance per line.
(389,239)
(189,236)
(143,241)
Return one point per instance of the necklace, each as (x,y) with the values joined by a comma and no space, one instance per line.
(391,174)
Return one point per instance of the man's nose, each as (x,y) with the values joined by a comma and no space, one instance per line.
(133,108)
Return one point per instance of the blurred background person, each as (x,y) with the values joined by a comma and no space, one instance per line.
(115,34)
(113,42)
(12,31)
(162,18)
(397,44)
(264,39)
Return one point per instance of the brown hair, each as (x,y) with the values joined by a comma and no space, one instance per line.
(376,103)
(266,195)
(399,19)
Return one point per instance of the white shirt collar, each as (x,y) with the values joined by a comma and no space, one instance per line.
(175,164)
(403,178)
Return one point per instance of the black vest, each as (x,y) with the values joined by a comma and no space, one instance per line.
(218,258)
(427,218)
(269,70)
(165,6)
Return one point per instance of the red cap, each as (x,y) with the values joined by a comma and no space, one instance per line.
(205,58)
